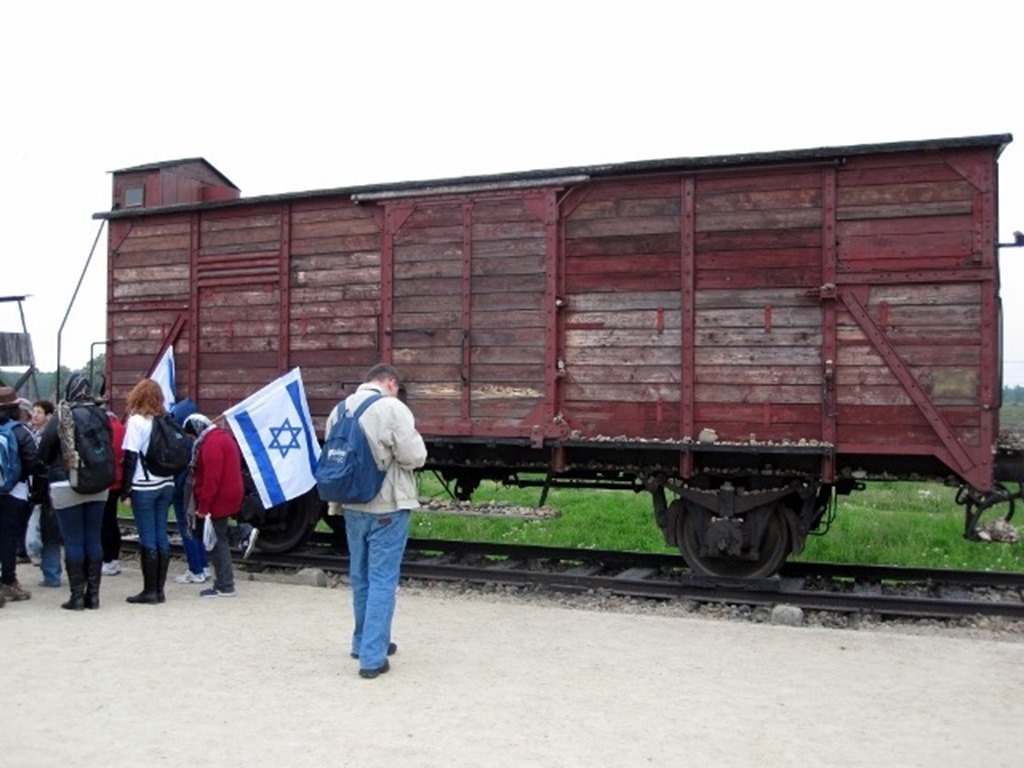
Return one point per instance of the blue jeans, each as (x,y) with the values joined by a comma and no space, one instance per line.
(195,552)
(80,527)
(49,563)
(376,543)
(149,508)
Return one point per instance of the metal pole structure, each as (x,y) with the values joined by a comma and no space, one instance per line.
(74,296)
(92,357)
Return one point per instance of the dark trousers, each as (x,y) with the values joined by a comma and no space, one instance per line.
(12,512)
(223,573)
(111,531)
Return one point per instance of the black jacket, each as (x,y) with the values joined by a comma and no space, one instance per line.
(50,457)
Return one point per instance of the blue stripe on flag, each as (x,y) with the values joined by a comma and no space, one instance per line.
(295,393)
(263,461)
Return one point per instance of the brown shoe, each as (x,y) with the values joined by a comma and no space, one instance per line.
(14,592)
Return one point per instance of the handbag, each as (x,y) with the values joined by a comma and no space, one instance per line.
(209,534)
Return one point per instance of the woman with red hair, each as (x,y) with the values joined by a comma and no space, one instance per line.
(148,493)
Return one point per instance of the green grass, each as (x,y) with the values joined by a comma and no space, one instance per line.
(926,531)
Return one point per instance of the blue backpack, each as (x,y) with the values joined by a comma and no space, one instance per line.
(347,472)
(10,457)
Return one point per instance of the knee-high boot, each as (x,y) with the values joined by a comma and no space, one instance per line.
(148,560)
(163,561)
(92,583)
(76,579)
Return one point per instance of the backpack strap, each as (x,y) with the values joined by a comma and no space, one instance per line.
(366,404)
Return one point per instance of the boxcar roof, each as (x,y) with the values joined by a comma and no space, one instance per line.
(576,174)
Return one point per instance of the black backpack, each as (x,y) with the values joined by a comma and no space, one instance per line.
(90,463)
(169,450)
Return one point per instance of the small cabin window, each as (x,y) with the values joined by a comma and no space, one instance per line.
(134,196)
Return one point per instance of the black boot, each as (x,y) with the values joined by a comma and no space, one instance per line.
(164,560)
(76,578)
(148,560)
(92,583)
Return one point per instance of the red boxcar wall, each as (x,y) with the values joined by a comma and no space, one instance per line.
(757,331)
(915,237)
(469,327)
(335,297)
(236,322)
(148,298)
(682,317)
(622,346)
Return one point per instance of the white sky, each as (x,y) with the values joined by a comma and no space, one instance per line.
(305,95)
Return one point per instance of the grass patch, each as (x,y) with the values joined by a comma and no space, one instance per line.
(925,531)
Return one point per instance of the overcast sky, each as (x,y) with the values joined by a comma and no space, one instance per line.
(307,95)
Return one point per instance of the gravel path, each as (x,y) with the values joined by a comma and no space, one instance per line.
(264,679)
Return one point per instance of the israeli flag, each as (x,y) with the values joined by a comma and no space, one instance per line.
(163,374)
(275,432)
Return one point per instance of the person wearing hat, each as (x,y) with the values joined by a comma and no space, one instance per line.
(14,504)
(214,489)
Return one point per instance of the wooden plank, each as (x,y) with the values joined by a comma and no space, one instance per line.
(758,337)
(802,375)
(338,261)
(620,337)
(650,319)
(780,199)
(341,292)
(625,374)
(621,226)
(754,318)
(335,245)
(758,356)
(902,193)
(624,245)
(616,356)
(760,259)
(757,298)
(904,210)
(759,219)
(750,240)
(533,264)
(623,301)
(513,283)
(750,392)
(630,207)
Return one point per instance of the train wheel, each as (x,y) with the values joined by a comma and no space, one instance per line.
(771,555)
(290,525)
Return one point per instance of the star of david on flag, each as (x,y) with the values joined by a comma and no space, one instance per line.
(275,432)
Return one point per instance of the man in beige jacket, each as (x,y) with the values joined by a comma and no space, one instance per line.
(377,531)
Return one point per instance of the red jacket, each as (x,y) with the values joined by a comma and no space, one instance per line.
(217,483)
(117,430)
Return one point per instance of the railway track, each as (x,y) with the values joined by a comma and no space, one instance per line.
(889,592)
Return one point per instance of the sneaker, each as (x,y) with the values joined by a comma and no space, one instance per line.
(190,578)
(14,592)
(207,572)
(214,592)
(49,584)
(250,543)
(112,568)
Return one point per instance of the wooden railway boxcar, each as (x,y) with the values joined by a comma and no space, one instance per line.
(748,333)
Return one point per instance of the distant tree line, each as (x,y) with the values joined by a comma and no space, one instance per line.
(46,381)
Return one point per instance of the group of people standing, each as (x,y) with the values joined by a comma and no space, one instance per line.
(377,531)
(212,485)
